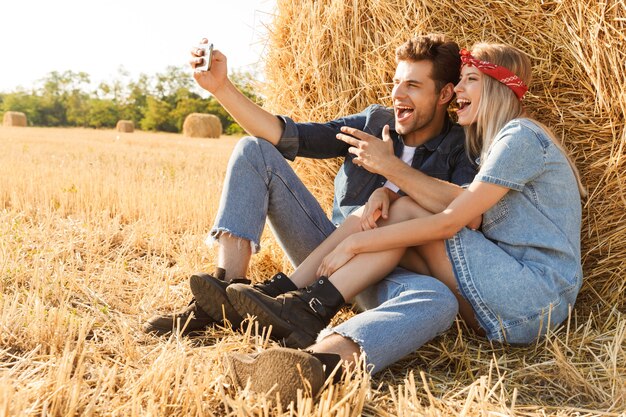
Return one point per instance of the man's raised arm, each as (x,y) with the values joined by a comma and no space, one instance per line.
(249,115)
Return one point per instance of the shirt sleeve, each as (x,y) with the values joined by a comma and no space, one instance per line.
(463,171)
(318,140)
(515,158)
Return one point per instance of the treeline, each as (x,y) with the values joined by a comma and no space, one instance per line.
(159,102)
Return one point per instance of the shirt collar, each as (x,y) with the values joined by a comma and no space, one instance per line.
(432,144)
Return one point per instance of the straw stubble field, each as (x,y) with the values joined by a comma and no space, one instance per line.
(99,230)
(97,233)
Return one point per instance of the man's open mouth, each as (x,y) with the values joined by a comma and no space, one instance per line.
(403,113)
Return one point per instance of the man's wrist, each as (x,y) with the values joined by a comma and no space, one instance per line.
(223,89)
(391,167)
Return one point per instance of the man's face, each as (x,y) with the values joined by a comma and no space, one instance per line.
(414,97)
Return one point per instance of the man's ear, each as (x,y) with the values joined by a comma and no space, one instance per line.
(446,93)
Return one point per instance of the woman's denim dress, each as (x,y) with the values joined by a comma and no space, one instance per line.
(522,271)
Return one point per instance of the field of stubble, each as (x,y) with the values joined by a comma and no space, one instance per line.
(99,230)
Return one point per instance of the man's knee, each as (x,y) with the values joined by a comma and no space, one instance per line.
(433,297)
(252,148)
(446,302)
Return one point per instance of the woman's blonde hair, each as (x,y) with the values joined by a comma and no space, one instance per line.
(499,104)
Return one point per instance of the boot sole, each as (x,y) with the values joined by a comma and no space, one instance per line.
(159,332)
(246,302)
(279,370)
(211,297)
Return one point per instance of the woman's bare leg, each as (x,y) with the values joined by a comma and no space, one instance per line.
(306,272)
(364,270)
(400,210)
(440,267)
(368,268)
(431,259)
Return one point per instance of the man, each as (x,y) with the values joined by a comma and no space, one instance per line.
(423,156)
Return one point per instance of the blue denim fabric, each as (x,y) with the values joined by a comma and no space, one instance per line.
(260,184)
(400,313)
(442,157)
(522,273)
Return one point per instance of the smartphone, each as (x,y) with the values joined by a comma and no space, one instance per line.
(208,57)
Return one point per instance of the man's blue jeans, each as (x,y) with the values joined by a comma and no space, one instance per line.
(261,185)
(402,312)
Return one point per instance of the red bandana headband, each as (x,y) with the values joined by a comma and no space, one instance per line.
(501,74)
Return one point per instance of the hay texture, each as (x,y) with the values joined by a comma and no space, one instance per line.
(126,126)
(328,59)
(199,125)
(14,118)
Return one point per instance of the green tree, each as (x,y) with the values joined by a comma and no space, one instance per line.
(77,108)
(24,102)
(102,113)
(55,94)
(186,106)
(134,105)
(157,116)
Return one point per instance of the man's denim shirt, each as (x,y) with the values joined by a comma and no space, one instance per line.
(441,157)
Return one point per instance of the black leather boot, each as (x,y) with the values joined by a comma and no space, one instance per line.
(189,322)
(277,285)
(210,294)
(277,370)
(297,316)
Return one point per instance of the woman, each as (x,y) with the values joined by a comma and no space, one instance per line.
(520,274)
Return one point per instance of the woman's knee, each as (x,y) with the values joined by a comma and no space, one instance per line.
(405,208)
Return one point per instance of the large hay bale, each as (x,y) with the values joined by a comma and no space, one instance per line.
(14,118)
(330,58)
(199,125)
(126,126)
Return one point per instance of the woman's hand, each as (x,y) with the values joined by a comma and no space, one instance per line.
(377,206)
(337,258)
(476,223)
(216,77)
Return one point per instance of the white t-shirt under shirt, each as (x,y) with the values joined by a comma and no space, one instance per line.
(407,157)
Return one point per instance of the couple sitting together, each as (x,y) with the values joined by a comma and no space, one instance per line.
(431,219)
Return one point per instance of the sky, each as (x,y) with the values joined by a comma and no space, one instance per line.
(139,36)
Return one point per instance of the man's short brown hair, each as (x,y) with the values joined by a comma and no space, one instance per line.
(436,48)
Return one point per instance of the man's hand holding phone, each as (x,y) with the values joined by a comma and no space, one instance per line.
(207,57)
(209,65)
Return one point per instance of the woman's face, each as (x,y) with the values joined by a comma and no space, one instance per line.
(468,92)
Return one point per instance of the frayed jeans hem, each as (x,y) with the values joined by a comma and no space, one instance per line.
(214,236)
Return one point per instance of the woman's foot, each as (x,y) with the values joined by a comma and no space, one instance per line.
(296,316)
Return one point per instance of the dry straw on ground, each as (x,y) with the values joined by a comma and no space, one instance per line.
(99,233)
(14,118)
(126,126)
(198,125)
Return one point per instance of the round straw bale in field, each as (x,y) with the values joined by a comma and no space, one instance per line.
(14,118)
(199,125)
(125,126)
